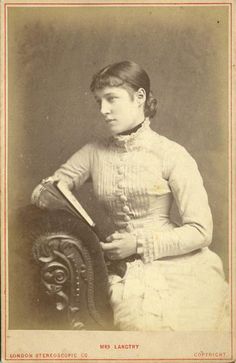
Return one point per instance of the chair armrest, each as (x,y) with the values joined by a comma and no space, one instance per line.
(73,272)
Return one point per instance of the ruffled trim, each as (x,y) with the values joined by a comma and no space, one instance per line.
(133,140)
(156,297)
(136,289)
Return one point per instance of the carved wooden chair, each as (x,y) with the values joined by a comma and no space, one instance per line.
(71,267)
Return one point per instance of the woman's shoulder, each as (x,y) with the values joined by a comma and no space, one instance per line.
(173,155)
(90,146)
(168,147)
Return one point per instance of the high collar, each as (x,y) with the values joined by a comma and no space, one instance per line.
(131,131)
(135,139)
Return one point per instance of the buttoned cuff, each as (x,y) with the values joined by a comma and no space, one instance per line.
(37,192)
(152,245)
(35,198)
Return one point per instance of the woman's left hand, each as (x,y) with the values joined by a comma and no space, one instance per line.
(121,245)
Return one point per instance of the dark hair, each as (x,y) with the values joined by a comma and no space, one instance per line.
(129,74)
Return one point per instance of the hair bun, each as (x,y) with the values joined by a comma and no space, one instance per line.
(151,106)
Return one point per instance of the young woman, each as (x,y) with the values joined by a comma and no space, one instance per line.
(176,282)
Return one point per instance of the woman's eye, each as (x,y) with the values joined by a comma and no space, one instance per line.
(111,99)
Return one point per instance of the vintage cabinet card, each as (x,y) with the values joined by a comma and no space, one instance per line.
(172,297)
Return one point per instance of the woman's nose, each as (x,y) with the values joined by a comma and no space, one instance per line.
(104,109)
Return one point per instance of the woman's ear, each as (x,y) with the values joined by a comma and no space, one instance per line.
(141,96)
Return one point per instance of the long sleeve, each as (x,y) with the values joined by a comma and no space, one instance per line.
(74,172)
(77,168)
(186,184)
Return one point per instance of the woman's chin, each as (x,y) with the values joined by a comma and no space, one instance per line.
(114,130)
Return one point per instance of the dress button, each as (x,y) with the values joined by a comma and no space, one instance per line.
(120,170)
(129,229)
(127,218)
(123,198)
(120,185)
(126,209)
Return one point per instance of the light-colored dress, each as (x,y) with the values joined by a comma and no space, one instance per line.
(178,284)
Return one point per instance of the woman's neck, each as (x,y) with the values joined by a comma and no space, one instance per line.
(131,131)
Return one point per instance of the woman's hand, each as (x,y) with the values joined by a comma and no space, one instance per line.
(121,245)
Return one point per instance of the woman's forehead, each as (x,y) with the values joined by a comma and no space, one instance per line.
(110,90)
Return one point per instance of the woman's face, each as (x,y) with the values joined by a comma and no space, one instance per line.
(122,110)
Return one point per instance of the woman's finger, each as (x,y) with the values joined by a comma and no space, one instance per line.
(107,246)
(114,236)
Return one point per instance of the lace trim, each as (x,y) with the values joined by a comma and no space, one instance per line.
(129,141)
(145,247)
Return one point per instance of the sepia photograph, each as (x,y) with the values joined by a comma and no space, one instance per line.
(117,157)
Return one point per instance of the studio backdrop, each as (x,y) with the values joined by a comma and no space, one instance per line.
(53,53)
